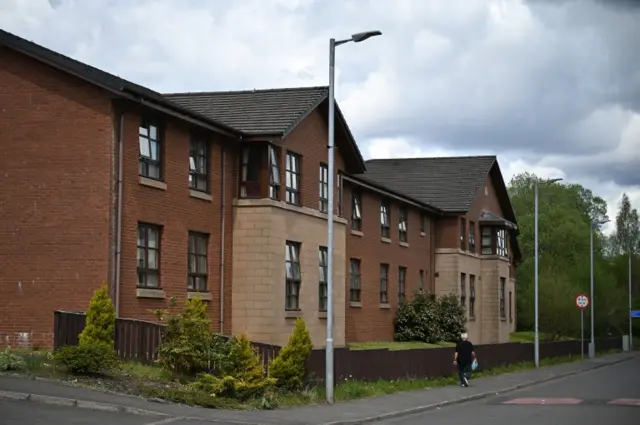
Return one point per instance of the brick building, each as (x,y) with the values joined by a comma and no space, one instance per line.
(223,195)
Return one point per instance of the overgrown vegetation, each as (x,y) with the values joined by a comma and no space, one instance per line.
(10,362)
(95,354)
(430,319)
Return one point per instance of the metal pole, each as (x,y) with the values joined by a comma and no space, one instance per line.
(329,344)
(582,332)
(536,341)
(592,346)
(630,306)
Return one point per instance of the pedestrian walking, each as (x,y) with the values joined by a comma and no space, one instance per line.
(463,358)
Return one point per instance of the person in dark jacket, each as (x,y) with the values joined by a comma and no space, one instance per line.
(464,356)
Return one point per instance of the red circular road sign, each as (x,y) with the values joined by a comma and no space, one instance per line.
(582,301)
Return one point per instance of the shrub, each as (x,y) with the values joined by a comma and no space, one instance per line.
(101,320)
(87,359)
(289,368)
(451,317)
(187,340)
(11,362)
(430,319)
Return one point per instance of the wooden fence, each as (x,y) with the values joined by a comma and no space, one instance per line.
(139,340)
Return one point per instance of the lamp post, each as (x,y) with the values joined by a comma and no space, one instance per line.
(592,344)
(356,38)
(630,302)
(536,336)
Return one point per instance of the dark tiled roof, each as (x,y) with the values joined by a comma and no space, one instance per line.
(96,76)
(447,183)
(255,112)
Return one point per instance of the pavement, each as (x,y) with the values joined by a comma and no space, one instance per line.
(27,401)
(603,396)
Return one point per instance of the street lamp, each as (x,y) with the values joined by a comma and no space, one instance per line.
(356,38)
(630,303)
(592,345)
(536,336)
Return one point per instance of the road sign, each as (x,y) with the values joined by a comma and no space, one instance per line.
(582,301)
(635,313)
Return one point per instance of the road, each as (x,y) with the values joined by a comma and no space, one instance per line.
(583,399)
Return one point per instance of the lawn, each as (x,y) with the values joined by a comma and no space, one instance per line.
(529,336)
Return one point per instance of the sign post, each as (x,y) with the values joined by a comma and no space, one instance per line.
(582,302)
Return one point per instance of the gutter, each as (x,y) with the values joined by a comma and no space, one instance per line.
(119,215)
(223,196)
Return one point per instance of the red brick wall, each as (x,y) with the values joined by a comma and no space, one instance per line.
(178,213)
(56,141)
(369,322)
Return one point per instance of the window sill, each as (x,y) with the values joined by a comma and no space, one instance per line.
(156,184)
(357,233)
(423,234)
(151,293)
(200,195)
(355,304)
(322,315)
(292,314)
(404,244)
(385,240)
(204,296)
(385,306)
(503,319)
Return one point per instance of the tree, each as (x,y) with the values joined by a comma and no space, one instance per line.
(627,238)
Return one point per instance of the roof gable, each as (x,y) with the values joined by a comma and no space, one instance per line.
(447,183)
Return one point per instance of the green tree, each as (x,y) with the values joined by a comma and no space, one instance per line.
(289,368)
(101,320)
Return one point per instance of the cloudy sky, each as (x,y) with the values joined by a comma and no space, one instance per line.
(550,86)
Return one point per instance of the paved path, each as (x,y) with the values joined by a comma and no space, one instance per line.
(360,411)
(590,398)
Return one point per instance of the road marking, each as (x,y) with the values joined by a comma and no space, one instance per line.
(164,421)
(625,402)
(545,401)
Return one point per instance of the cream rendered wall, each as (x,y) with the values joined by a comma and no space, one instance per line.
(260,230)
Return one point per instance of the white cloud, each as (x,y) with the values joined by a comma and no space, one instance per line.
(550,87)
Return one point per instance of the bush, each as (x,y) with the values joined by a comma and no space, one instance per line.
(289,368)
(87,359)
(101,320)
(429,319)
(11,362)
(187,340)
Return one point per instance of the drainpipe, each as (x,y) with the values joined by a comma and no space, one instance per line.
(223,203)
(119,214)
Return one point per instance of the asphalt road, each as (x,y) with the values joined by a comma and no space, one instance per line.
(592,391)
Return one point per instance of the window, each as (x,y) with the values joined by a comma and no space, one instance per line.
(463,289)
(324,188)
(339,183)
(293,276)
(510,308)
(274,173)
(501,242)
(402,225)
(356,211)
(487,248)
(250,172)
(423,223)
(354,280)
(472,237)
(502,289)
(322,279)
(384,284)
(292,174)
(198,164)
(148,256)
(384,219)
(472,295)
(402,278)
(421,281)
(463,234)
(149,142)
(197,280)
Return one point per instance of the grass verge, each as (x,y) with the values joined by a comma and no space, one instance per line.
(153,382)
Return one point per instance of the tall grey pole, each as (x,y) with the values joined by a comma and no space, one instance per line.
(592,346)
(536,336)
(630,305)
(329,345)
